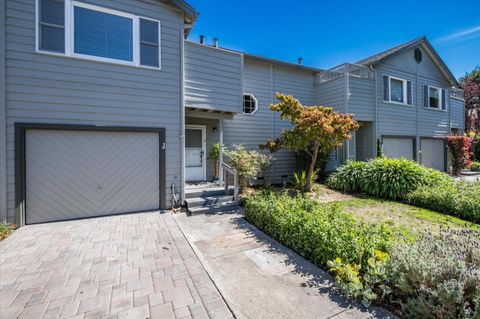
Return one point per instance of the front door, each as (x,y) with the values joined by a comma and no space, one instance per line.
(195,161)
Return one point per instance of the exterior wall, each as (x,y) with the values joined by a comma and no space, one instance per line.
(43,88)
(211,137)
(415,120)
(3,172)
(213,78)
(361,98)
(264,79)
(457,109)
(331,93)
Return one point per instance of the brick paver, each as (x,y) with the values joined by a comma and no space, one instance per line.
(126,266)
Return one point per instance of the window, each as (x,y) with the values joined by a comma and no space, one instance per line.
(86,31)
(397,90)
(52,26)
(250,104)
(434,98)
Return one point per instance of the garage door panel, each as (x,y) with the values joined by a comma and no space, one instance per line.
(433,153)
(398,147)
(76,174)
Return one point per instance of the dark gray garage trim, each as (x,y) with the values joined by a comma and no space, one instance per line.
(405,136)
(20,160)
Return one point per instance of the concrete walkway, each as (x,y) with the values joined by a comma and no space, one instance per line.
(132,266)
(260,278)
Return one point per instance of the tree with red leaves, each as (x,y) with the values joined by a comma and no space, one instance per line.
(316,130)
(470,83)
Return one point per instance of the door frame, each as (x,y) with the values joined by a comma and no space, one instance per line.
(21,152)
(203,128)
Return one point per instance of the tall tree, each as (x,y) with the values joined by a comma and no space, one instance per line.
(470,83)
(316,130)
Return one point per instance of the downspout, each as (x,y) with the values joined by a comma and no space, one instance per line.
(182,114)
(3,122)
(375,111)
(418,151)
(347,97)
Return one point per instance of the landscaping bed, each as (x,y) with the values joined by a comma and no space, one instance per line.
(416,274)
(6,229)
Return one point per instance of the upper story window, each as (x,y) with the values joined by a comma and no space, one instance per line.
(250,104)
(435,98)
(86,31)
(397,90)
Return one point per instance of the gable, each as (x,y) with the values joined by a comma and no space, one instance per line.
(427,67)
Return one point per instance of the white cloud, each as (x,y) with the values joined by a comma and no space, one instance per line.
(459,35)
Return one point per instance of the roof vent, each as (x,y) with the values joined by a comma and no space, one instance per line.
(300,60)
(418,55)
(202,39)
(215,42)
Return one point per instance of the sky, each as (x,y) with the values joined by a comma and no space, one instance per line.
(329,33)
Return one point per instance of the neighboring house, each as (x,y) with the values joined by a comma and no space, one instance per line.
(106,108)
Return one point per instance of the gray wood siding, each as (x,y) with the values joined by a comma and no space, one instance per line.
(457,109)
(213,78)
(331,93)
(263,80)
(48,89)
(361,98)
(3,171)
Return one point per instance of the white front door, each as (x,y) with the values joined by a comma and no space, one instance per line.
(195,157)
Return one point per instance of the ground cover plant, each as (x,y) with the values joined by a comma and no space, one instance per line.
(373,262)
(6,229)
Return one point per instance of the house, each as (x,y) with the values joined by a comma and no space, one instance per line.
(106,107)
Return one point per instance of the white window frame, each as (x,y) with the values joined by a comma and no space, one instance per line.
(256,103)
(404,90)
(69,35)
(440,92)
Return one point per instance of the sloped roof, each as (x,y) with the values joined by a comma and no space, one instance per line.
(421,41)
(190,14)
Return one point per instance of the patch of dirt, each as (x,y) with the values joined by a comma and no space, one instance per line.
(326,195)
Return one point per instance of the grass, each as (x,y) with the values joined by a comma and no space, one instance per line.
(405,218)
(6,229)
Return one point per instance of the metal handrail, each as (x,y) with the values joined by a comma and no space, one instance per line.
(228,169)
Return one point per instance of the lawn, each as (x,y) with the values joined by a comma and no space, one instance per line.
(403,217)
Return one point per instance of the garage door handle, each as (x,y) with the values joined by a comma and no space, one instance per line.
(164,146)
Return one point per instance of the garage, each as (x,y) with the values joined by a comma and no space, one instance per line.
(398,147)
(79,173)
(433,153)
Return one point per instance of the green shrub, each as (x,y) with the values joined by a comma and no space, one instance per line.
(438,277)
(475,166)
(300,179)
(317,232)
(348,178)
(249,163)
(383,177)
(456,198)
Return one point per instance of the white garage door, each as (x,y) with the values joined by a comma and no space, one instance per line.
(433,153)
(397,147)
(77,174)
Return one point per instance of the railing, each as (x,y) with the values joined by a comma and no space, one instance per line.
(456,93)
(355,70)
(227,169)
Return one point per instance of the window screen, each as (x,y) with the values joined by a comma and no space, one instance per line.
(396,90)
(52,26)
(149,43)
(249,104)
(102,34)
(434,98)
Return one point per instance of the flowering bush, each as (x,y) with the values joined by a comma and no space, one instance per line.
(249,164)
(460,148)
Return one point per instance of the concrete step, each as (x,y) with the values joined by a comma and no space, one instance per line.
(206,192)
(224,207)
(207,201)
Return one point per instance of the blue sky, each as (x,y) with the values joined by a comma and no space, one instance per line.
(328,33)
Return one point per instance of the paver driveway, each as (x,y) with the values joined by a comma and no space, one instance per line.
(126,266)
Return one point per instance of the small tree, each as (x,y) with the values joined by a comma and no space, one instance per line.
(460,151)
(316,130)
